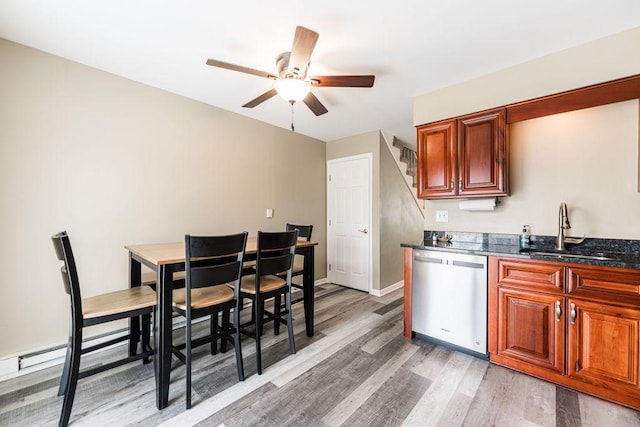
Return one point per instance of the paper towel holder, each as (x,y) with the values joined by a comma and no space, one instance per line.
(484,204)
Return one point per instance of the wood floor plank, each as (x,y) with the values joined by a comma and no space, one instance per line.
(383,334)
(596,412)
(473,377)
(391,403)
(241,408)
(435,400)
(433,360)
(390,306)
(359,396)
(567,408)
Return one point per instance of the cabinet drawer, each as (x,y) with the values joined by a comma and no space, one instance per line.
(604,283)
(536,276)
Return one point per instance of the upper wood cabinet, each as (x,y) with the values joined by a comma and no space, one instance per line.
(437,160)
(464,157)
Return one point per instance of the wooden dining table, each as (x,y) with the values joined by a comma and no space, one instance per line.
(167,258)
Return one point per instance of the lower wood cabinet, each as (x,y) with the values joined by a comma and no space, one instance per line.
(585,337)
(529,329)
(603,345)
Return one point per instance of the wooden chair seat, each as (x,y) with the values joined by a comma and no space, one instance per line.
(122,301)
(202,297)
(267,284)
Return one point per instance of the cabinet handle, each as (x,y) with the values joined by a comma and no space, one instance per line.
(577,366)
(453,185)
(558,311)
(573,314)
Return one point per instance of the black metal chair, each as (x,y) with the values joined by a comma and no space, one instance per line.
(304,233)
(275,252)
(133,303)
(211,263)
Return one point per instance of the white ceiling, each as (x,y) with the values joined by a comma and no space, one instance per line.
(412,46)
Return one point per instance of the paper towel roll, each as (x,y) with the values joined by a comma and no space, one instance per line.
(478,204)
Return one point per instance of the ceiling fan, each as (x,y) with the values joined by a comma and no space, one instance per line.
(291,80)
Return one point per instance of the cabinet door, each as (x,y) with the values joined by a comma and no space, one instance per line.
(437,169)
(483,154)
(530,330)
(603,345)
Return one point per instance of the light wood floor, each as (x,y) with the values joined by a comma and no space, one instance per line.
(357,370)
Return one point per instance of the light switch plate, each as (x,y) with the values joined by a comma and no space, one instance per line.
(442,216)
(269,213)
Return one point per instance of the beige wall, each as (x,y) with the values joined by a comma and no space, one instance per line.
(400,218)
(587,158)
(602,60)
(116,162)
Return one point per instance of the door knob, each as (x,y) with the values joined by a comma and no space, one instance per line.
(364,230)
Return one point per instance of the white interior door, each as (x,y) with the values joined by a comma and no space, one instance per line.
(349,221)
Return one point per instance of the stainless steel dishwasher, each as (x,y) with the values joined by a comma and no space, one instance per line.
(449,299)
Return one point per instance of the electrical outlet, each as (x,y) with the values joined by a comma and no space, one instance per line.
(442,216)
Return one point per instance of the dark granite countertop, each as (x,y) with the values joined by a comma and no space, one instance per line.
(604,252)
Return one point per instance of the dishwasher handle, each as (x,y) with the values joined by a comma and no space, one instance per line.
(467,264)
(424,258)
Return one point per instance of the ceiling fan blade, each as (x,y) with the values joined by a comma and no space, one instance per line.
(304,42)
(259,100)
(314,104)
(233,67)
(343,81)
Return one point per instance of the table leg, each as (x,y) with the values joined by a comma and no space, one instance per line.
(309,289)
(134,322)
(162,336)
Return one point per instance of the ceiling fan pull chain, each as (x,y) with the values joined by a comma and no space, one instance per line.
(292,128)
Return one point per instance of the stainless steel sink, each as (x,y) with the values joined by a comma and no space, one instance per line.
(598,256)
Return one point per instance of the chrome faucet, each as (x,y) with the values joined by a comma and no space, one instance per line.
(563,224)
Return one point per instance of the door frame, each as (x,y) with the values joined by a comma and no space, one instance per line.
(372,230)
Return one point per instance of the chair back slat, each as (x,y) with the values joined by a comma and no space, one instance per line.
(214,275)
(62,246)
(304,231)
(65,279)
(272,241)
(216,246)
(275,265)
(275,252)
(214,260)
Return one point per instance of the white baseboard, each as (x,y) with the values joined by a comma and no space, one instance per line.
(9,366)
(388,289)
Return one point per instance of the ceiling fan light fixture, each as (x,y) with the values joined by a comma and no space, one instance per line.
(292,89)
